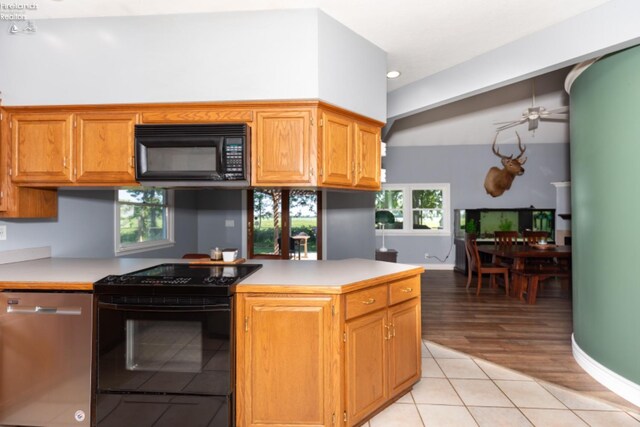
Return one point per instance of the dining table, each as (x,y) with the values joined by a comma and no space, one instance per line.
(520,254)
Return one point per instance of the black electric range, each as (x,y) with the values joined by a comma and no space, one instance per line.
(176,279)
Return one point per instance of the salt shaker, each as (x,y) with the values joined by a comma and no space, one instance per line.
(216,254)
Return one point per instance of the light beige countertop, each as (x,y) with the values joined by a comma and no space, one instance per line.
(275,276)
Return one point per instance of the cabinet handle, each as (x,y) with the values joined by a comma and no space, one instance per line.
(393,330)
(387,334)
(407,290)
(369,301)
(64,162)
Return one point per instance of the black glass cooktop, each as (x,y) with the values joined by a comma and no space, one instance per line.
(177,278)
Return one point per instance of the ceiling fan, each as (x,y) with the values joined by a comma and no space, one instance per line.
(534,114)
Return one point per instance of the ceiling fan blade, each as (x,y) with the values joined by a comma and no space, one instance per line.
(533,124)
(510,125)
(506,123)
(564,109)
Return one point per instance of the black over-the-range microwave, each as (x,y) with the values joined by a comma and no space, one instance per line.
(192,154)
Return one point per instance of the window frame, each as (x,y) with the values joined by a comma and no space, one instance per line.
(407,210)
(168,242)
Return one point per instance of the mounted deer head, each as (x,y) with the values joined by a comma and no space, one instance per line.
(499,180)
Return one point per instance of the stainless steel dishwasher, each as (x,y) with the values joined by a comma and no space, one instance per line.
(45,358)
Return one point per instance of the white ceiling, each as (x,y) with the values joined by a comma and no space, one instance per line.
(421,37)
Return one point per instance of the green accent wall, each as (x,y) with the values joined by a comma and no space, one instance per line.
(605,187)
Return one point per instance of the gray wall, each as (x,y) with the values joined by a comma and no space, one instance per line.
(350,225)
(214,208)
(465,167)
(85,227)
(285,54)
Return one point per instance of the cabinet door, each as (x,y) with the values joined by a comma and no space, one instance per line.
(282,148)
(285,354)
(4,175)
(41,147)
(404,346)
(104,147)
(367,156)
(366,365)
(336,151)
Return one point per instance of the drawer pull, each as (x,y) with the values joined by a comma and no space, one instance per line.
(369,301)
(407,290)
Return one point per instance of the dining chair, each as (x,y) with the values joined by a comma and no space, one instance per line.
(530,237)
(505,238)
(475,264)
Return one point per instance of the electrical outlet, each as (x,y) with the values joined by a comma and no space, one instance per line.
(3,232)
(426,255)
(229,223)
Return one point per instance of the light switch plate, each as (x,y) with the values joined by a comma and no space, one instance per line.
(229,223)
(3,232)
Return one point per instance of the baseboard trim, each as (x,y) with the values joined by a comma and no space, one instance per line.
(438,266)
(28,254)
(616,383)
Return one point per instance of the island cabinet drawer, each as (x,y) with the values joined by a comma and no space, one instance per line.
(404,289)
(366,301)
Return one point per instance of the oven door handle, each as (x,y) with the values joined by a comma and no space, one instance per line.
(164,309)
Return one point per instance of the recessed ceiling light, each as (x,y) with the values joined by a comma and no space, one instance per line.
(393,74)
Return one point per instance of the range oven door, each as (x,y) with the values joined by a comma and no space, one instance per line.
(159,363)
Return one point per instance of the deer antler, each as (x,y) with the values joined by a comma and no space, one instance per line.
(522,150)
(496,151)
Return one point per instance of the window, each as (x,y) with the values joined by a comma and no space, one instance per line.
(418,209)
(143,220)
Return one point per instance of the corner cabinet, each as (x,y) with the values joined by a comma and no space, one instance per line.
(70,148)
(326,360)
(320,146)
(349,152)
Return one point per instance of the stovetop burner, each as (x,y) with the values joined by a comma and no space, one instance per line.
(175,279)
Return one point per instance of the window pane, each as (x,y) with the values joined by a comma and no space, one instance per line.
(139,223)
(427,199)
(267,205)
(425,219)
(389,200)
(151,195)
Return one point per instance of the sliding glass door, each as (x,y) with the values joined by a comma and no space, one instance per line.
(294,214)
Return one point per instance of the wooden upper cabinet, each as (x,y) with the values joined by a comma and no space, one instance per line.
(336,150)
(367,156)
(105,148)
(281,150)
(41,147)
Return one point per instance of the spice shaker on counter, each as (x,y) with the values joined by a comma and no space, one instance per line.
(216,254)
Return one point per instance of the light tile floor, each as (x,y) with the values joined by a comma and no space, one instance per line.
(458,390)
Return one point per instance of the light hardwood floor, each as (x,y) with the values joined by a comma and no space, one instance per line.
(532,339)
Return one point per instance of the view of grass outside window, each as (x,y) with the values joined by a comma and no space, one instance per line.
(417,208)
(302,209)
(143,219)
(427,209)
(392,201)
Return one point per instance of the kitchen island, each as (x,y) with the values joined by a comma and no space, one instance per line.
(317,343)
